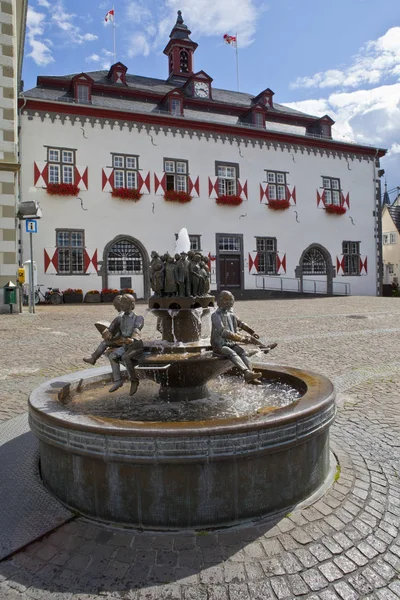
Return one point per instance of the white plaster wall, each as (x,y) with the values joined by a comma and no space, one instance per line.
(154,222)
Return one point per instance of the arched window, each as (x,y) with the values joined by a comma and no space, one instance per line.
(184,61)
(124,257)
(314,263)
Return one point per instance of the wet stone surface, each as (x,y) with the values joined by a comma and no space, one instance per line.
(344,546)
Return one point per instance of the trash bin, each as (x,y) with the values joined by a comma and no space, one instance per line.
(10,294)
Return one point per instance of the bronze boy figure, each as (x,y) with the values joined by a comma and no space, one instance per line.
(224,337)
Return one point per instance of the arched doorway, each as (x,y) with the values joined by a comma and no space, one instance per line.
(126,265)
(316,270)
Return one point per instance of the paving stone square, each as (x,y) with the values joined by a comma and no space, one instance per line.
(346,545)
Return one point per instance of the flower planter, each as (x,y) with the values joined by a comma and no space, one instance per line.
(62,189)
(109,297)
(179,197)
(70,298)
(126,194)
(278,204)
(334,209)
(229,200)
(92,298)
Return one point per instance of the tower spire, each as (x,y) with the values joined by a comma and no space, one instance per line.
(180,49)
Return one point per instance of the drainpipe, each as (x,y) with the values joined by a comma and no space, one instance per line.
(18,194)
(378,227)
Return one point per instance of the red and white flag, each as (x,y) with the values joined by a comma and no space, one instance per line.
(109,16)
(230,39)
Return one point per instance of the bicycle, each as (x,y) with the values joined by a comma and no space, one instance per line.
(51,296)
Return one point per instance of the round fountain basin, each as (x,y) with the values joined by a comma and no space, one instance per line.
(199,473)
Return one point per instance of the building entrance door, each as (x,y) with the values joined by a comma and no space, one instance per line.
(229,271)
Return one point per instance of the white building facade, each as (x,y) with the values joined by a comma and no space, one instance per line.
(263,190)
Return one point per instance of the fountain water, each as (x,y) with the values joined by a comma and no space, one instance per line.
(234,452)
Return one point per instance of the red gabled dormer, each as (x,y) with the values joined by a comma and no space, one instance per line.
(198,85)
(82,88)
(255,115)
(173,102)
(117,73)
(265,98)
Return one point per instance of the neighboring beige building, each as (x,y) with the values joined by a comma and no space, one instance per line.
(391,243)
(12,35)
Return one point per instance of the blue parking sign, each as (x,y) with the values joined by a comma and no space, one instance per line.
(31,226)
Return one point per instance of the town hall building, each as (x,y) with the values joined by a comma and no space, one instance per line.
(119,163)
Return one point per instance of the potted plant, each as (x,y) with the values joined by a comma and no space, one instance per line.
(128,291)
(72,296)
(229,200)
(108,294)
(279,204)
(173,196)
(126,194)
(334,209)
(62,189)
(92,296)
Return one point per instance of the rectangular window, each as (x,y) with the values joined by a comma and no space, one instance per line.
(54,174)
(393,238)
(331,190)
(266,252)
(176,174)
(83,93)
(70,246)
(195,242)
(61,165)
(258,118)
(227,180)
(276,185)
(390,269)
(385,238)
(351,254)
(125,170)
(229,244)
(175,106)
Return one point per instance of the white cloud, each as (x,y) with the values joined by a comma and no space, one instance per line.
(40,50)
(66,23)
(103,58)
(374,62)
(44,3)
(207,17)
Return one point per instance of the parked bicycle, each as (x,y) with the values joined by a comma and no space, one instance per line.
(51,296)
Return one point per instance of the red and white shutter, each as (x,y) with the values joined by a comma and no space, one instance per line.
(363,265)
(213,187)
(90,260)
(264,192)
(346,200)
(41,174)
(194,186)
(242,189)
(320,198)
(280,264)
(81,177)
(339,265)
(253,263)
(291,193)
(51,261)
(107,179)
(143,182)
(160,183)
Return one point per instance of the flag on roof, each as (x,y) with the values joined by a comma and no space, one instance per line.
(109,16)
(230,39)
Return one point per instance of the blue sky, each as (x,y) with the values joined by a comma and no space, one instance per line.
(341,58)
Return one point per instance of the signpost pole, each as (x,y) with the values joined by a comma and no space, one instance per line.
(31,287)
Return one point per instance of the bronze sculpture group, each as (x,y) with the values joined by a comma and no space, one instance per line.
(185,274)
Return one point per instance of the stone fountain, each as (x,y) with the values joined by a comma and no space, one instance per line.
(195,447)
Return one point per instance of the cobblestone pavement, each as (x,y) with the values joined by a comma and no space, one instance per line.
(344,546)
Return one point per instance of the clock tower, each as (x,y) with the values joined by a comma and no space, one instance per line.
(179,50)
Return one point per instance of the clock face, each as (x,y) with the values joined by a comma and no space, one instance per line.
(201,90)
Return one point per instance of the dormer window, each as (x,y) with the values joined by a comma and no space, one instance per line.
(117,73)
(82,93)
(258,119)
(82,88)
(175,106)
(265,98)
(326,130)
